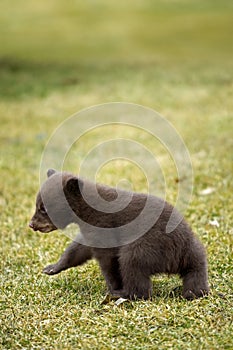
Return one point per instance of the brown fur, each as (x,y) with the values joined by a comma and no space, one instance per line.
(126,267)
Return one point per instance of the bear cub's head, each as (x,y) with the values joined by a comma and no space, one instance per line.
(56,201)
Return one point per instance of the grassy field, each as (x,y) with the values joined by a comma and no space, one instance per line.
(57,58)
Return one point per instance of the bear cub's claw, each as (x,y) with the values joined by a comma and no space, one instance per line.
(51,270)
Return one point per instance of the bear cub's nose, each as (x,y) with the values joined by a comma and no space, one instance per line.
(31,224)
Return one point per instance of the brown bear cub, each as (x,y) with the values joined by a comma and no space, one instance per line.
(140,236)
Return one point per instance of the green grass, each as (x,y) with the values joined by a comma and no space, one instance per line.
(58,58)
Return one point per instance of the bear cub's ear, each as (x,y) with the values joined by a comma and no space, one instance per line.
(74,185)
(50,172)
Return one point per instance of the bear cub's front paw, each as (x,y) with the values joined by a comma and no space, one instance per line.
(51,269)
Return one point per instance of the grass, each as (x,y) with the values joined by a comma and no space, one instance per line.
(43,81)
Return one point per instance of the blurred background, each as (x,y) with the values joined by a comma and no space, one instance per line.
(58,57)
(132,31)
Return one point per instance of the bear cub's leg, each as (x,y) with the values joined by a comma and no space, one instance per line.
(195,284)
(136,280)
(109,264)
(195,275)
(75,254)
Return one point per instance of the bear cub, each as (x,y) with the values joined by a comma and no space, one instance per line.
(131,242)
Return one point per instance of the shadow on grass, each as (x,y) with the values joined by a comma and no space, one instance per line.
(83,287)
(19,79)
